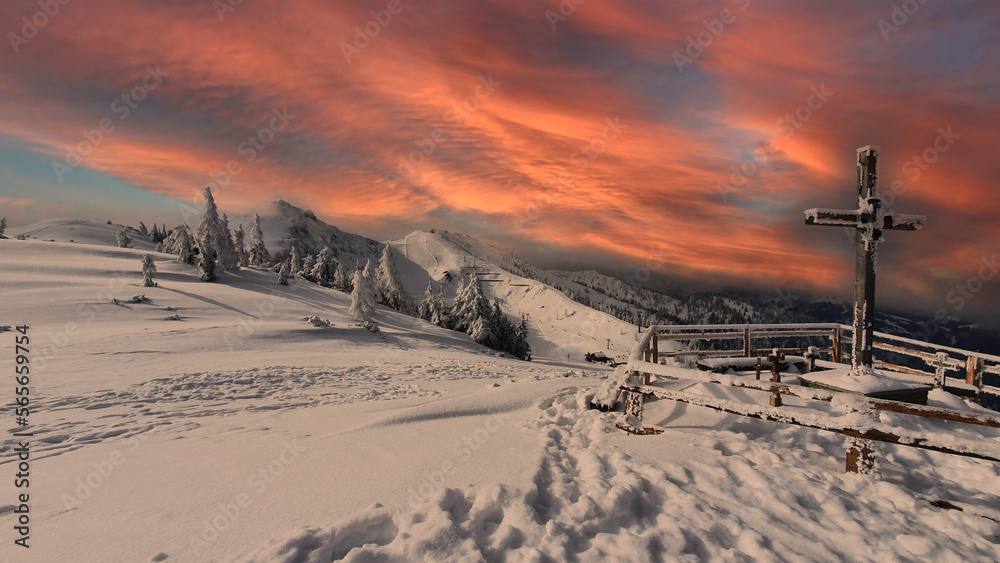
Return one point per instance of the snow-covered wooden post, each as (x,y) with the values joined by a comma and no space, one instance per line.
(776,358)
(656,349)
(869,225)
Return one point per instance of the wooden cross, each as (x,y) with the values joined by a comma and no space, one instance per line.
(869,224)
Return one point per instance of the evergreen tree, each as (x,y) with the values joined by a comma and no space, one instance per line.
(159,248)
(259,255)
(363,295)
(3,227)
(181,243)
(229,259)
(471,305)
(308,264)
(427,304)
(521,347)
(148,269)
(390,288)
(324,271)
(341,280)
(155,234)
(283,273)
(456,305)
(124,241)
(206,265)
(143,230)
(440,313)
(296,261)
(240,245)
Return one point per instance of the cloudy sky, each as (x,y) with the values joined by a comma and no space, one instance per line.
(686,136)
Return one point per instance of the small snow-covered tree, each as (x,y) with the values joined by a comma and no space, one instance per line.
(324,271)
(427,304)
(207,263)
(229,259)
(363,295)
(240,245)
(390,288)
(521,347)
(258,253)
(143,230)
(283,273)
(3,227)
(148,269)
(155,234)
(124,241)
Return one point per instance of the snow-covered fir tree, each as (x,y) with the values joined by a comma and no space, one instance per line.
(363,294)
(342,280)
(207,264)
(426,304)
(296,261)
(440,312)
(143,230)
(124,241)
(148,269)
(3,227)
(240,245)
(470,304)
(258,254)
(283,273)
(521,347)
(155,234)
(325,269)
(390,288)
(213,232)
(181,243)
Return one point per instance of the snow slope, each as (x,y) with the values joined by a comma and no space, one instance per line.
(212,423)
(559,327)
(80,231)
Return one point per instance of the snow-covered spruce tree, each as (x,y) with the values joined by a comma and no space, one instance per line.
(181,243)
(296,261)
(440,312)
(240,245)
(325,269)
(258,254)
(471,304)
(390,288)
(283,273)
(456,305)
(143,230)
(155,234)
(341,279)
(308,263)
(229,259)
(213,233)
(521,347)
(363,295)
(3,227)
(124,241)
(427,304)
(148,269)
(206,264)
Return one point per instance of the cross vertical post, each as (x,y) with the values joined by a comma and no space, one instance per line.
(868,224)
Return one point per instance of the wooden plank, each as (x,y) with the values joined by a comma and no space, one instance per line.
(906,370)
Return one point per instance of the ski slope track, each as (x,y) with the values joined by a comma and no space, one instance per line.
(211,422)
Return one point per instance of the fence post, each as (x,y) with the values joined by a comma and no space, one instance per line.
(974,371)
(836,345)
(746,342)
(656,349)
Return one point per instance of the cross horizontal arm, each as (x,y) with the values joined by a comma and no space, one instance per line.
(904,222)
(833,217)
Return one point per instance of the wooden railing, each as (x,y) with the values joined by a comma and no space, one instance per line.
(944,362)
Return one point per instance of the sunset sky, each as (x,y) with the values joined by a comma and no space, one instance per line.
(582,134)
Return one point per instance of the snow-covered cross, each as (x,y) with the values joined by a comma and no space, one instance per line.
(869,224)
